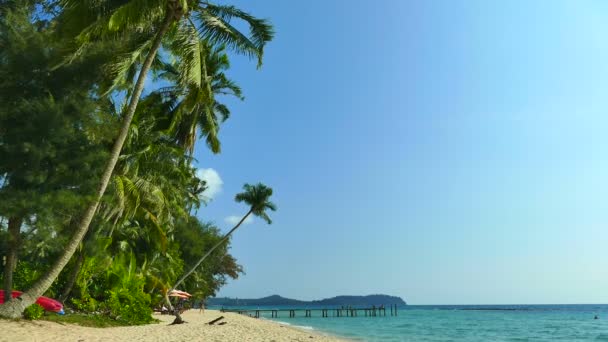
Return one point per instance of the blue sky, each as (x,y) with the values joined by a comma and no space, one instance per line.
(448,152)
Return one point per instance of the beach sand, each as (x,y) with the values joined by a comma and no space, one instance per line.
(238,328)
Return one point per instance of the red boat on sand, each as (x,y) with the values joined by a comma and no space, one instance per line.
(47,303)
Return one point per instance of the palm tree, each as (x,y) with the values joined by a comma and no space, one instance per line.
(194,103)
(257,197)
(155,18)
(153,185)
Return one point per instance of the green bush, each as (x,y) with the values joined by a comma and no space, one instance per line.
(86,304)
(128,307)
(33,311)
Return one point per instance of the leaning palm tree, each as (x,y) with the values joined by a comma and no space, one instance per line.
(96,20)
(257,197)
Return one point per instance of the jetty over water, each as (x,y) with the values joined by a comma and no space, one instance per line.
(345,311)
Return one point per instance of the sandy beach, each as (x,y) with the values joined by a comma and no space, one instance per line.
(238,328)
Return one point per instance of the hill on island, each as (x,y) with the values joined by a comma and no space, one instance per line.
(275,300)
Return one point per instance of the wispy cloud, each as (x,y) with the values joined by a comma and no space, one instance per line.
(213,180)
(233,219)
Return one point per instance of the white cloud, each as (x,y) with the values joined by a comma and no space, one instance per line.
(233,220)
(213,180)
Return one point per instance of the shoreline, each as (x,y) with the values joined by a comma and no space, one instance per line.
(237,328)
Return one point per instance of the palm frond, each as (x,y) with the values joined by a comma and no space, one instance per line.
(219,30)
(123,70)
(191,53)
(136,14)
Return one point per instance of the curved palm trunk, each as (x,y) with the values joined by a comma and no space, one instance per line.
(14,308)
(211,251)
(178,317)
(14,242)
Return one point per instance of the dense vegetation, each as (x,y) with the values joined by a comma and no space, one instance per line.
(97,183)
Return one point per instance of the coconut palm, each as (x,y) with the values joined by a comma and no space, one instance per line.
(96,20)
(194,104)
(257,197)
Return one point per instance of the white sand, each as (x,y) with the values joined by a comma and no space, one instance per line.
(238,328)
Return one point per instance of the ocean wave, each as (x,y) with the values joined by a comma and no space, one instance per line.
(284,323)
(305,327)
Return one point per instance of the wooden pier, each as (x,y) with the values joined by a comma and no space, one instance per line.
(374,311)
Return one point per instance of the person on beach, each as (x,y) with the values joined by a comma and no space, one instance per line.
(202,308)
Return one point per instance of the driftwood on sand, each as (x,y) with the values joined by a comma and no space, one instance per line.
(216,320)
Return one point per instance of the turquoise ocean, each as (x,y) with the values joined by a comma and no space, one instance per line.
(464,323)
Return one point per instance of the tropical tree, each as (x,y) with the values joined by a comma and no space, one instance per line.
(258,198)
(153,185)
(194,239)
(50,142)
(194,104)
(95,20)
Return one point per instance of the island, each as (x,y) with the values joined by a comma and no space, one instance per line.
(276,300)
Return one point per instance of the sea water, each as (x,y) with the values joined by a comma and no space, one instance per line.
(465,323)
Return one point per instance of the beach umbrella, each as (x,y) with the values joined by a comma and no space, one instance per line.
(180,294)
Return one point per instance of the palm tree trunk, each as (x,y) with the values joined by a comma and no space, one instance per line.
(15,308)
(3,184)
(178,317)
(73,276)
(211,251)
(14,242)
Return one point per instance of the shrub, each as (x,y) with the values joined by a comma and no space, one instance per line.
(128,307)
(33,311)
(86,304)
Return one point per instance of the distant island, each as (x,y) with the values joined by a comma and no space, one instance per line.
(370,300)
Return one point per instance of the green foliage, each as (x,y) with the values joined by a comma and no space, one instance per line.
(26,274)
(33,311)
(257,197)
(125,299)
(195,238)
(85,304)
(58,120)
(131,307)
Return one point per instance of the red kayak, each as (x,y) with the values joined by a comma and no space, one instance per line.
(47,303)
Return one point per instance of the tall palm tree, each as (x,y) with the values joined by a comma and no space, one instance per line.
(153,185)
(194,103)
(258,198)
(96,20)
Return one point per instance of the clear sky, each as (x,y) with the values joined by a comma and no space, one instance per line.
(449,152)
